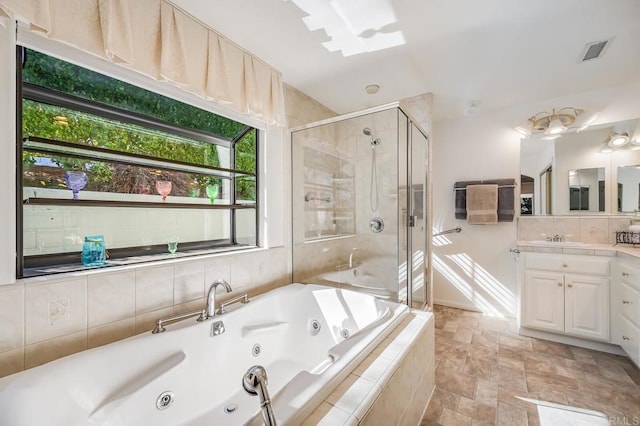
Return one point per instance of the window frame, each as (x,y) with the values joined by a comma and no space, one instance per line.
(56,98)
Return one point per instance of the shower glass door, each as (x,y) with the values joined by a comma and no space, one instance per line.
(418,220)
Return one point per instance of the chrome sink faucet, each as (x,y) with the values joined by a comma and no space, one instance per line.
(211,296)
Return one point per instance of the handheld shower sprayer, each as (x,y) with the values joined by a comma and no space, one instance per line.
(374,172)
(374,142)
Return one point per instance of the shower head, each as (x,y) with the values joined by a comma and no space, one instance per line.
(374,142)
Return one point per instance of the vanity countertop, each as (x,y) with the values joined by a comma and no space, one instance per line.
(589,249)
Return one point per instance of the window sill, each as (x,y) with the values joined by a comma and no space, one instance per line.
(75,270)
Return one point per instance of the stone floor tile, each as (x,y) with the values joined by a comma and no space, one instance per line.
(488,339)
(510,378)
(445,398)
(477,411)
(483,352)
(452,418)
(550,380)
(515,341)
(455,382)
(486,392)
(433,413)
(512,363)
(484,368)
(509,352)
(509,415)
(479,367)
(553,348)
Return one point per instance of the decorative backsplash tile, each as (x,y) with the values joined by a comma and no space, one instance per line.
(594,230)
(55,309)
(586,229)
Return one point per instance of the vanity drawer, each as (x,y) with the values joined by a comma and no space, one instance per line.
(629,339)
(629,274)
(630,303)
(590,265)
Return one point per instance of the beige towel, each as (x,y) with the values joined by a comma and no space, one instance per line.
(482,204)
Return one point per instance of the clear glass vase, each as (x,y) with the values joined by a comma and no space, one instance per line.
(94,251)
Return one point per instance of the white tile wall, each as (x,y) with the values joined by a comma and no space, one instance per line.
(11,318)
(154,288)
(110,297)
(49,350)
(55,309)
(109,333)
(188,281)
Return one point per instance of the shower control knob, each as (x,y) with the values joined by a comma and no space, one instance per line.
(376,225)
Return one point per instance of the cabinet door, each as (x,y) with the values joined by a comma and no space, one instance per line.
(587,306)
(544,300)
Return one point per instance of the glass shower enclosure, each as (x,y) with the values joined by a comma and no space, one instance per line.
(361,205)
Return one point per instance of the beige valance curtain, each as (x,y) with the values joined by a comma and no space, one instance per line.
(159,40)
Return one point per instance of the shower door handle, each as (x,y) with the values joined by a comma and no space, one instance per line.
(411,221)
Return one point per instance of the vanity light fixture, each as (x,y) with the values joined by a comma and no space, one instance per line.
(617,140)
(555,122)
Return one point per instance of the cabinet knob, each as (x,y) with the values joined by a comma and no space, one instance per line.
(569,285)
(626,302)
(626,338)
(625,274)
(564,265)
(559,284)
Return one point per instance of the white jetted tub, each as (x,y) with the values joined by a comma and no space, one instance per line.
(121,383)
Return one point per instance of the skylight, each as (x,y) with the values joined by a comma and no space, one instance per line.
(354,26)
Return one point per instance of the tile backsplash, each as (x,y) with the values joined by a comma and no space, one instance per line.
(586,229)
(42,319)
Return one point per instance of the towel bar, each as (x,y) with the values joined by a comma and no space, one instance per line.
(499,186)
(448,231)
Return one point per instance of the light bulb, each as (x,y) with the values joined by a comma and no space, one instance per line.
(555,127)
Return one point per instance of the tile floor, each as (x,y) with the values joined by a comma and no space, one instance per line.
(488,374)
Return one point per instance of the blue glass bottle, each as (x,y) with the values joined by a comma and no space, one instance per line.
(94,251)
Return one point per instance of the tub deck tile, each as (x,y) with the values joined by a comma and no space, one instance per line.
(329,415)
(354,395)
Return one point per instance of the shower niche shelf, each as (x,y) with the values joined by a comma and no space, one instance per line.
(329,195)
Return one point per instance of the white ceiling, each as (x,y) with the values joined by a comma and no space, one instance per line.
(503,53)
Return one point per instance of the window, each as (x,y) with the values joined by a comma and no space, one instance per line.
(104,157)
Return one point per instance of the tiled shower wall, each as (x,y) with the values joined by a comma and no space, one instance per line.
(45,319)
(345,140)
(586,229)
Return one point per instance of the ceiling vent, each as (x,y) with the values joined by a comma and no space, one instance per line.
(594,50)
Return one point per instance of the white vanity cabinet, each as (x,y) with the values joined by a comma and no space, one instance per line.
(626,308)
(567,294)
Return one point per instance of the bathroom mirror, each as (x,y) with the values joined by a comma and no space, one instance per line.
(628,199)
(587,190)
(547,188)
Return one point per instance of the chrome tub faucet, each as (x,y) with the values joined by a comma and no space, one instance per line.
(353,251)
(211,297)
